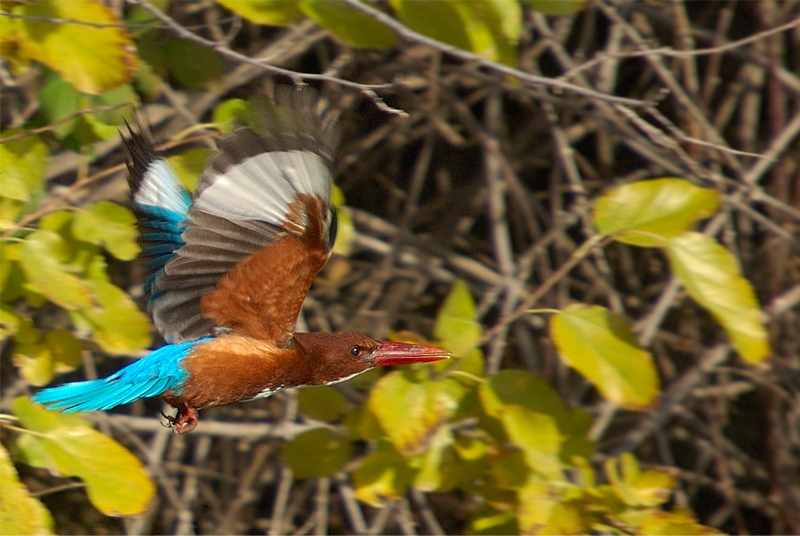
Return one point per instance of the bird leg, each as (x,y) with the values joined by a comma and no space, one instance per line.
(183,421)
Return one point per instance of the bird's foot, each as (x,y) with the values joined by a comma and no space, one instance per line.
(183,421)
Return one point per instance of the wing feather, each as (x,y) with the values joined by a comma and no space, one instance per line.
(262,205)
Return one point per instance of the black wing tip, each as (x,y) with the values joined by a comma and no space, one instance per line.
(141,151)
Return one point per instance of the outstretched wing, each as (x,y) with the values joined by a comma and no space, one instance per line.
(259,228)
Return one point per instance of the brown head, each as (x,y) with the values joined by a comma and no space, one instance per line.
(337,356)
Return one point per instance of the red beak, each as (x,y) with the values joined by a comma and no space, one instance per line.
(400,353)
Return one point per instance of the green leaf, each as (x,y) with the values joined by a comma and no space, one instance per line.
(323,403)
(411,412)
(19,512)
(59,100)
(229,112)
(382,476)
(345,234)
(537,435)
(439,470)
(712,277)
(599,344)
(39,358)
(488,28)
(24,165)
(118,326)
(116,482)
(42,255)
(543,510)
(318,452)
(636,487)
(456,327)
(269,12)
(109,225)
(351,26)
(512,388)
(189,165)
(91,59)
(647,213)
(192,65)
(557,7)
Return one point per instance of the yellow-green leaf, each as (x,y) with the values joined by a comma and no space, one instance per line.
(39,359)
(488,28)
(599,344)
(556,7)
(318,452)
(411,412)
(228,113)
(24,162)
(109,225)
(19,512)
(118,326)
(647,213)
(269,12)
(91,59)
(711,275)
(116,481)
(383,475)
(537,435)
(323,403)
(351,26)
(189,165)
(636,487)
(41,256)
(456,328)
(439,469)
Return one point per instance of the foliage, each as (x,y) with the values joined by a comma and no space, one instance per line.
(509,438)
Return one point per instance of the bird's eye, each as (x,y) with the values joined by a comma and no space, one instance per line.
(355,351)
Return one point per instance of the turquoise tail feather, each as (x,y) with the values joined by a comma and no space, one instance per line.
(148,377)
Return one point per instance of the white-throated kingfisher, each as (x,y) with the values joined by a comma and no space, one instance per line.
(230,266)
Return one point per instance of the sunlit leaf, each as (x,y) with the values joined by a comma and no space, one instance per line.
(90,58)
(647,213)
(521,388)
(269,12)
(456,328)
(323,403)
(439,469)
(382,476)
(318,452)
(39,358)
(109,225)
(557,7)
(636,487)
(599,344)
(410,412)
(229,112)
(488,28)
(24,162)
(351,26)
(19,512)
(677,521)
(42,255)
(711,275)
(537,435)
(118,326)
(189,165)
(489,520)
(345,234)
(116,482)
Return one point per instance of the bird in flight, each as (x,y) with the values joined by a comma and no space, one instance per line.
(229,266)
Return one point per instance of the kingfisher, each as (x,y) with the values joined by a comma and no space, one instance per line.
(228,268)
